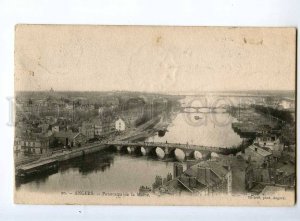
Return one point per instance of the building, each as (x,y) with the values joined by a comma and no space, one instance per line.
(62,138)
(120,125)
(286,175)
(103,126)
(271,143)
(69,139)
(78,139)
(211,177)
(108,125)
(269,140)
(18,144)
(290,156)
(204,178)
(34,143)
(258,156)
(44,127)
(255,175)
(88,130)
(98,127)
(257,178)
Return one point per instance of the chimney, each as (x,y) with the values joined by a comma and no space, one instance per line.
(201,172)
(177,169)
(255,149)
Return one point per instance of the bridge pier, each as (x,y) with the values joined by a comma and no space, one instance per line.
(145,151)
(130,150)
(167,150)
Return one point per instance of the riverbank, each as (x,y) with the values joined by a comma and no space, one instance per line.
(65,155)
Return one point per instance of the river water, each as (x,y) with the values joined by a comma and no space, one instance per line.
(112,172)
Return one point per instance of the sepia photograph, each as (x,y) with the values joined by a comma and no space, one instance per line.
(154,115)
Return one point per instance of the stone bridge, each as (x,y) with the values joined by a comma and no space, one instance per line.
(180,151)
(192,109)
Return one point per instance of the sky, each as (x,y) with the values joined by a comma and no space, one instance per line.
(153,59)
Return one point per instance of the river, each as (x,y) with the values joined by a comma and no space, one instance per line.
(112,172)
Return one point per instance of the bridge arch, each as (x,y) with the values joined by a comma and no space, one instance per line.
(118,148)
(197,155)
(214,155)
(177,150)
(180,154)
(160,153)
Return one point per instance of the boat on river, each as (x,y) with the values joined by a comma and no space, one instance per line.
(197,117)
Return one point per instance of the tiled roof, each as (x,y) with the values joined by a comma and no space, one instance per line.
(63,134)
(258,150)
(214,167)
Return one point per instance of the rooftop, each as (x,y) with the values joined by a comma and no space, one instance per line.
(65,134)
(258,150)
(214,166)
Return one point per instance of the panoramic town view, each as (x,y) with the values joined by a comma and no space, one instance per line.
(154,115)
(229,143)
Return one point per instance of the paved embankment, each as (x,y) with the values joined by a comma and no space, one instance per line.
(69,154)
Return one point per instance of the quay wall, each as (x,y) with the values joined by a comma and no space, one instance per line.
(67,155)
(80,152)
(93,148)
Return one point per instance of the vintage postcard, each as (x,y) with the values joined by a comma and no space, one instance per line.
(153,115)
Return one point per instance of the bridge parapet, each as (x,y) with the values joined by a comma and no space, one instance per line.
(168,145)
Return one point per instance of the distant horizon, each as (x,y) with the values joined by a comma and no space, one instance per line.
(287,93)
